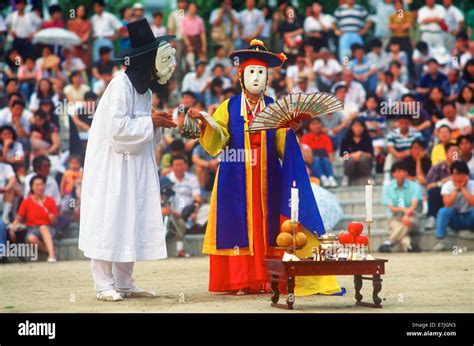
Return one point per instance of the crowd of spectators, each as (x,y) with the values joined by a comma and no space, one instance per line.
(404,72)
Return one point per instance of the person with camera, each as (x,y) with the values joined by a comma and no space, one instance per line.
(185,202)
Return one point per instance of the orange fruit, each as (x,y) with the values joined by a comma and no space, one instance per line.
(301,239)
(287,226)
(284,239)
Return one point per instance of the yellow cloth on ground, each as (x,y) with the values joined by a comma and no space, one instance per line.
(309,285)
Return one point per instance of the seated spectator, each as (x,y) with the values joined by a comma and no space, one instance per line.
(44,89)
(417,163)
(11,150)
(220,58)
(399,142)
(437,176)
(12,86)
(377,56)
(453,84)
(175,148)
(303,85)
(205,167)
(431,79)
(42,167)
(73,64)
(49,64)
(465,103)
(375,123)
(83,116)
(47,107)
(468,73)
(459,125)
(396,55)
(355,93)
(188,100)
(335,126)
(185,201)
(357,153)
(434,104)
(218,71)
(326,69)
(157,27)
(467,152)
(402,197)
(420,120)
(322,148)
(72,178)
(458,204)
(364,72)
(28,74)
(16,115)
(389,89)
(76,91)
(214,94)
(197,81)
(7,184)
(303,66)
(103,69)
(438,153)
(44,136)
(38,211)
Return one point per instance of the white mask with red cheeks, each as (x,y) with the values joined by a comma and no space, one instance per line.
(255,78)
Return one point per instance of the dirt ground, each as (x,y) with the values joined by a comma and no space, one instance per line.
(423,282)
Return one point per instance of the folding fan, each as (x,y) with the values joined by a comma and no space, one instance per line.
(295,107)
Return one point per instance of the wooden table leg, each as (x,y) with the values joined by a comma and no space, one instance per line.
(377,284)
(291,292)
(358,287)
(276,291)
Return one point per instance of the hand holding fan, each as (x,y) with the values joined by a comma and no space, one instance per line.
(295,108)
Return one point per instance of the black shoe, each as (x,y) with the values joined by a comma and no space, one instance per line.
(414,248)
(385,248)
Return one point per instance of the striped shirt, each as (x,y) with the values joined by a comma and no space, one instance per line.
(351,18)
(402,142)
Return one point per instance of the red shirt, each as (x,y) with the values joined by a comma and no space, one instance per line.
(317,142)
(36,214)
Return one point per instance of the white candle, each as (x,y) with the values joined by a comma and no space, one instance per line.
(368,201)
(294,203)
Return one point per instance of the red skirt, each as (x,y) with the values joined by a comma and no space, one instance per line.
(232,273)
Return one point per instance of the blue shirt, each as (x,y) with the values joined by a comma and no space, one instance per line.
(427,80)
(400,197)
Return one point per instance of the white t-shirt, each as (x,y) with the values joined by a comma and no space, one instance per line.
(185,190)
(312,24)
(331,66)
(460,124)
(6,172)
(460,203)
(425,12)
(293,72)
(74,94)
(24,25)
(6,119)
(105,25)
(194,84)
(158,31)
(251,20)
(453,18)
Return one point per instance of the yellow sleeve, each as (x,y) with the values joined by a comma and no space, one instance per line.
(280,137)
(211,139)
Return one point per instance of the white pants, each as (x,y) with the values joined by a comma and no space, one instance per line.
(112,275)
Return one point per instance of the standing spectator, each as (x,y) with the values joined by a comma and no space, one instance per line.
(292,30)
(438,153)
(417,163)
(437,176)
(194,36)
(431,22)
(357,153)
(157,27)
(82,27)
(315,28)
(175,19)
(458,200)
(454,21)
(266,34)
(459,125)
(39,212)
(322,148)
(466,150)
(326,69)
(465,102)
(352,22)
(400,23)
(105,29)
(402,198)
(399,142)
(225,26)
(22,26)
(252,21)
(383,11)
(56,18)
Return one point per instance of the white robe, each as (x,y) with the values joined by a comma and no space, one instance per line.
(121,218)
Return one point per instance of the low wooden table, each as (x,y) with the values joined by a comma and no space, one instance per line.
(307,267)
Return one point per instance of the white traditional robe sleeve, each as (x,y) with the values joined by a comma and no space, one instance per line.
(121,218)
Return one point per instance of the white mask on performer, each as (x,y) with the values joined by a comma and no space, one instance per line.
(255,78)
(165,62)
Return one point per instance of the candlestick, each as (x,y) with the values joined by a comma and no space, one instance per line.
(368,202)
(294,203)
(369,255)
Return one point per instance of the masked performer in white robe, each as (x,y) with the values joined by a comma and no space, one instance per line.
(121,220)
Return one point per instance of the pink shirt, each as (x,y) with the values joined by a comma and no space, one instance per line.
(192,26)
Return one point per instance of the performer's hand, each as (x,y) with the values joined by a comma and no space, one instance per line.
(162,119)
(294,125)
(195,114)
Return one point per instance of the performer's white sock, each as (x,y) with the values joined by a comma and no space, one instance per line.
(179,246)
(7,207)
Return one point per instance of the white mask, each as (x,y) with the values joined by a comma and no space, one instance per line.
(165,62)
(255,78)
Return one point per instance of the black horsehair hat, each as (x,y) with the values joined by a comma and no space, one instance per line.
(142,39)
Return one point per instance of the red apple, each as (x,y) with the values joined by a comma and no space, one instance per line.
(355,228)
(362,240)
(346,238)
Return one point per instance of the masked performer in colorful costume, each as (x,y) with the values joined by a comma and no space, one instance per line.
(244,219)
